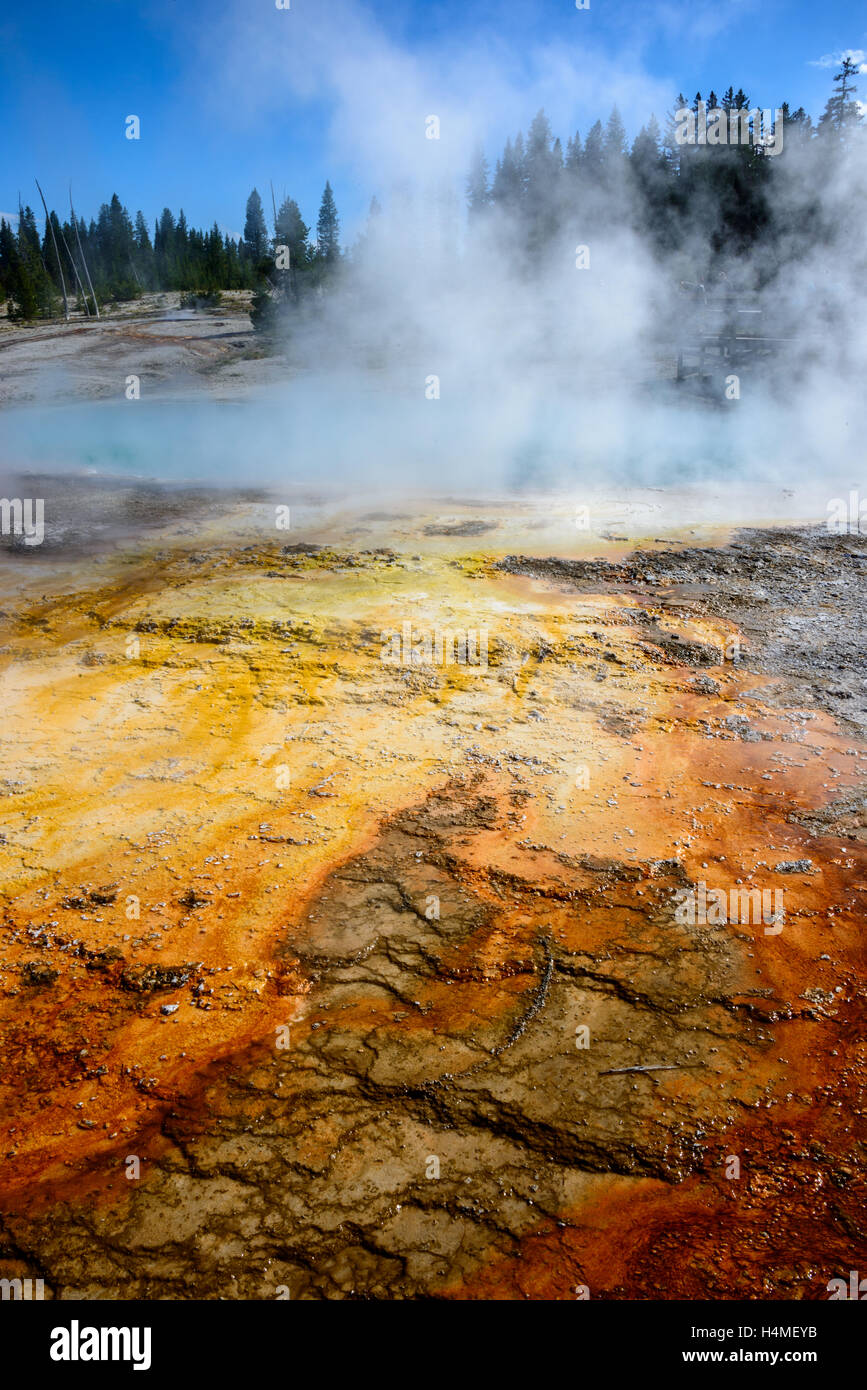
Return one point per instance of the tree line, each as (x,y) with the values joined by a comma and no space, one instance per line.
(667,191)
(115,258)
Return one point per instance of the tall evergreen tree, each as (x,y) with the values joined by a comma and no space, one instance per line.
(52,250)
(573,153)
(328,228)
(255,231)
(796,124)
(292,231)
(8,257)
(842,113)
(614,142)
(541,173)
(478,189)
(593,159)
(144,252)
(142,236)
(31,293)
(508,187)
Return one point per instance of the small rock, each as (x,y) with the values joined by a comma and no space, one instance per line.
(37,972)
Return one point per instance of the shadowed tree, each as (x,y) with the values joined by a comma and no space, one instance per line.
(614,143)
(508,178)
(328,228)
(29,289)
(542,168)
(573,153)
(478,190)
(592,161)
(255,231)
(292,231)
(842,113)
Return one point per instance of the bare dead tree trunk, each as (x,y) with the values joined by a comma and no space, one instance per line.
(81,253)
(50,225)
(81,289)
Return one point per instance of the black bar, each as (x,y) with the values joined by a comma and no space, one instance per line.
(240,1339)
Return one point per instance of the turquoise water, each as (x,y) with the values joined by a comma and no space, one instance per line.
(326,431)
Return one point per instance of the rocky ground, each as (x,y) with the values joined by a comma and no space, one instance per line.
(152,338)
(323,977)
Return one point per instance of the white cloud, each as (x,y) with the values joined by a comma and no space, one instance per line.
(377,92)
(833,60)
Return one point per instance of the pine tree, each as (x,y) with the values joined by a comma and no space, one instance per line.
(614,142)
(671,150)
(541,171)
(28,236)
(214,274)
(478,190)
(184,261)
(144,252)
(142,237)
(592,161)
(645,149)
(510,178)
(504,187)
(842,113)
(292,231)
(112,267)
(573,153)
(8,257)
(328,228)
(520,158)
(255,231)
(164,250)
(31,293)
(796,124)
(653,174)
(52,249)
(540,163)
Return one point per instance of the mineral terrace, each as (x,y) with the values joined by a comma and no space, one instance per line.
(324,977)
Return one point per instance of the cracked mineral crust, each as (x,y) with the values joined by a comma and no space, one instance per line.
(328,977)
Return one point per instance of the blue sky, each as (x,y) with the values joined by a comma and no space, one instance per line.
(232,93)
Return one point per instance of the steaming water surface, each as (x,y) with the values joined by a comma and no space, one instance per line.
(373,431)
